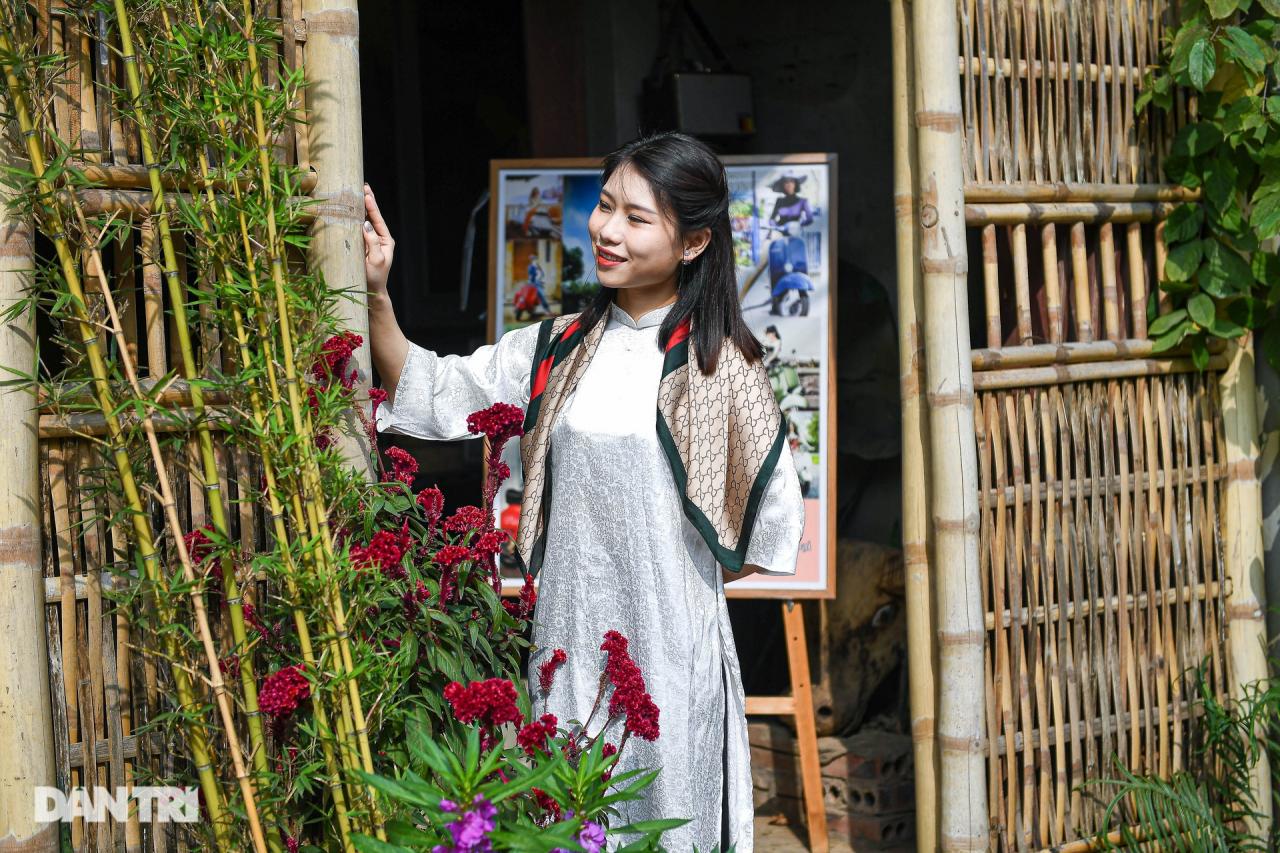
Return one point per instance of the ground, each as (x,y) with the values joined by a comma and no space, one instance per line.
(775,835)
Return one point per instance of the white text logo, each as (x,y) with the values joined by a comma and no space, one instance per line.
(153,804)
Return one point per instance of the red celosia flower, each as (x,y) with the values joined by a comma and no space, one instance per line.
(547,671)
(377,397)
(451,555)
(501,471)
(608,750)
(412,598)
(499,422)
(533,737)
(642,717)
(466,519)
(629,695)
(334,358)
(528,597)
(403,465)
(491,542)
(231,663)
(546,802)
(385,551)
(512,607)
(432,502)
(198,545)
(282,691)
(491,702)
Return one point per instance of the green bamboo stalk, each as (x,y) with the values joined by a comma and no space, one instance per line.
(275,253)
(211,477)
(175,529)
(297,514)
(277,511)
(143,536)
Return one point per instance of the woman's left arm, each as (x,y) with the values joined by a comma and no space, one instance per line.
(775,539)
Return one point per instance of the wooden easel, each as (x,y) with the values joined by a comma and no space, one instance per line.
(799,705)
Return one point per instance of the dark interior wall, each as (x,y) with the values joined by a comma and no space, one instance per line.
(447,87)
(442,93)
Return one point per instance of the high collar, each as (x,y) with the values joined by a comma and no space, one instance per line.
(649,320)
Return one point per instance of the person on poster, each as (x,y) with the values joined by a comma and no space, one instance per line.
(790,205)
(538,279)
(622,546)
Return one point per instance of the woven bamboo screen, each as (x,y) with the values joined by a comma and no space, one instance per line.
(103,690)
(1104,471)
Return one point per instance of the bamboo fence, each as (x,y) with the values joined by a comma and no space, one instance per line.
(1113,506)
(93,690)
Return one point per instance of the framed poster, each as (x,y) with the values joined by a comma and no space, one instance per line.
(783,215)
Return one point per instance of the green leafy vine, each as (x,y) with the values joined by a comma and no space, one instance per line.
(1221,272)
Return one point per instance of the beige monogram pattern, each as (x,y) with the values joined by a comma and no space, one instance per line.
(536,443)
(723,427)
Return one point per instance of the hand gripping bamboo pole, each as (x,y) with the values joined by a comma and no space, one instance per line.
(26,717)
(1243,550)
(922,660)
(953,467)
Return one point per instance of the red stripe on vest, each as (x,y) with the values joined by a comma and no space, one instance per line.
(679,335)
(540,381)
(544,369)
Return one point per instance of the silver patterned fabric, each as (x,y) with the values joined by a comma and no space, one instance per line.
(621,555)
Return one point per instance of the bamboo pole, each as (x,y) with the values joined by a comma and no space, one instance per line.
(921,656)
(144,538)
(1075,353)
(1242,549)
(954,468)
(337,247)
(1030,212)
(277,515)
(210,475)
(26,716)
(1068,192)
(1018,377)
(354,720)
(170,507)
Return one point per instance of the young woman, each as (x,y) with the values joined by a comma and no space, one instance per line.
(654,455)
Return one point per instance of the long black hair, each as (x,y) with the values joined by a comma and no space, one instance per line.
(690,185)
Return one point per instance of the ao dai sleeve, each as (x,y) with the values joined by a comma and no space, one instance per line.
(437,392)
(775,539)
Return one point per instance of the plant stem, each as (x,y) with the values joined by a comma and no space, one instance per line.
(211,476)
(143,536)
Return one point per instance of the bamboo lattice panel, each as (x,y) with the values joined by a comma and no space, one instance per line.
(1104,584)
(1101,464)
(1049,87)
(103,689)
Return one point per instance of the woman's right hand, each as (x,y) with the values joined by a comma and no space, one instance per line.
(378,245)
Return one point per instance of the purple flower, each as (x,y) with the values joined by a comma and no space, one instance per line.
(470,830)
(591,837)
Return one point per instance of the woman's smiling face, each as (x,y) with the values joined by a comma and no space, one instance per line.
(635,244)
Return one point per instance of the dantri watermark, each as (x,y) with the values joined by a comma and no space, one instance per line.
(95,805)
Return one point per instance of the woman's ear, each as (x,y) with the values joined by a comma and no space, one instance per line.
(695,242)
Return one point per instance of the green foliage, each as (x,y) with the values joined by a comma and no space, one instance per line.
(454,767)
(1209,805)
(1221,271)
